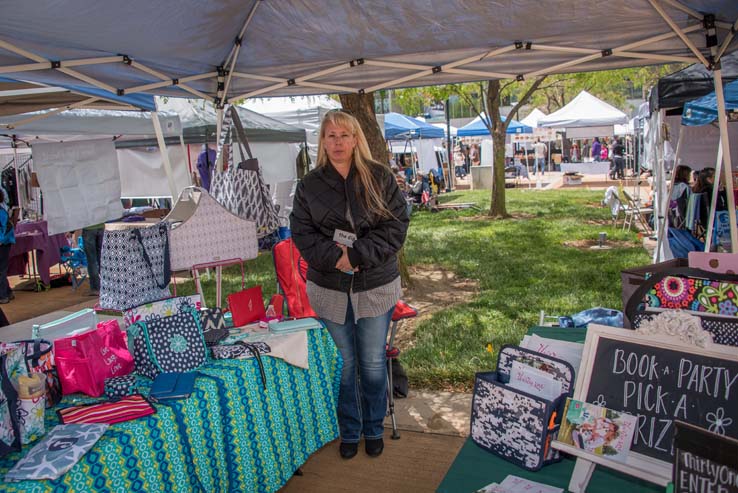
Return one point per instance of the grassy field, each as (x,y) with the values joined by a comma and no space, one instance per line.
(522,267)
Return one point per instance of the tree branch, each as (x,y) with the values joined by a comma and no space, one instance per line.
(533,87)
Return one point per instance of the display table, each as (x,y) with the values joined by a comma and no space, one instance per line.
(591,168)
(230,435)
(34,236)
(475,468)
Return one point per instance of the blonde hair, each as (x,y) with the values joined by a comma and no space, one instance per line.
(361,158)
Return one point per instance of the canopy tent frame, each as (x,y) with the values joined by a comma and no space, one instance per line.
(227,70)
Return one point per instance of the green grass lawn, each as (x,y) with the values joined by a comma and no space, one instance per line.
(522,267)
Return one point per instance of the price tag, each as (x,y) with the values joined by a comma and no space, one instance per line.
(344,237)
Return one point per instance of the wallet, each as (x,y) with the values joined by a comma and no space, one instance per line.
(172,386)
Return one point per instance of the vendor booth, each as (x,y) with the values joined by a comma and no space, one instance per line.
(419,139)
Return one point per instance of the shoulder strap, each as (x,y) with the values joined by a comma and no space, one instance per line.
(166,271)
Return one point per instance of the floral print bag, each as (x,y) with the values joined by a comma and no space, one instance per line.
(711,296)
(168,344)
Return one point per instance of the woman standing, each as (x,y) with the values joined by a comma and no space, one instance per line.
(349,221)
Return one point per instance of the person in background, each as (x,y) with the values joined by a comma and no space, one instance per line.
(585,150)
(575,157)
(539,152)
(474,155)
(92,239)
(705,184)
(604,151)
(205,165)
(679,197)
(596,149)
(349,220)
(7,239)
(617,159)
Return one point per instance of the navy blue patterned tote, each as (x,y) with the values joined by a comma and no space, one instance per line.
(134,267)
(173,344)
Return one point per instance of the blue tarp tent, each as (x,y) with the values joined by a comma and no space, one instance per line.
(401,127)
(477,127)
(703,111)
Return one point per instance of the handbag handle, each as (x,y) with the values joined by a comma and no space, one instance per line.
(243,142)
(167,271)
(635,300)
(257,355)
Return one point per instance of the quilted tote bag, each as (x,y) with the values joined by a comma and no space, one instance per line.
(135,267)
(241,188)
(168,344)
(210,234)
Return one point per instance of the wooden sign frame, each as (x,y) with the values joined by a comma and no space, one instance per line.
(670,331)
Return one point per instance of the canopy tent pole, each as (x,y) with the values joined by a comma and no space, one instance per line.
(723,123)
(164,154)
(186,151)
(218,130)
(50,113)
(660,200)
(713,201)
(664,214)
(14,145)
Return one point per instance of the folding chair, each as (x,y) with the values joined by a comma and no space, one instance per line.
(402,311)
(74,262)
(634,212)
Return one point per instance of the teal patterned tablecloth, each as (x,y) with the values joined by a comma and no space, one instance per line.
(230,435)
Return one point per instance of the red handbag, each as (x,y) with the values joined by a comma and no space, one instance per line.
(246,306)
(85,360)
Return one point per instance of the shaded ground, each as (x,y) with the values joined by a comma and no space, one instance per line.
(434,289)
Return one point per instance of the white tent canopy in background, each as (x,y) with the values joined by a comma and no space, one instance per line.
(532,119)
(304,112)
(445,128)
(585,116)
(141,172)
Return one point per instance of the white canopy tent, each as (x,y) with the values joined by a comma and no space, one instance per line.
(304,112)
(532,119)
(584,117)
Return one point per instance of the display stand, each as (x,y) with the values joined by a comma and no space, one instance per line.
(218,278)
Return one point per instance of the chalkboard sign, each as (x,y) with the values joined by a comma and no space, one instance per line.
(659,386)
(704,462)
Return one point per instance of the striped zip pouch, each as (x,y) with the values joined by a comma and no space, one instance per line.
(132,407)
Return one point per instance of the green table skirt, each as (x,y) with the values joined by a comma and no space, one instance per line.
(475,468)
(230,435)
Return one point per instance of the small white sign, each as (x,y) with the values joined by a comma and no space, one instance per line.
(534,381)
(346,238)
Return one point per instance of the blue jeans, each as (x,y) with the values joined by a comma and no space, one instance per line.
(362,400)
(540,163)
(92,240)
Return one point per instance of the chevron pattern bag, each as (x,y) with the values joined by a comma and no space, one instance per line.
(240,187)
(213,325)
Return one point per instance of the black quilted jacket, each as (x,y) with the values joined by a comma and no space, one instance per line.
(319,209)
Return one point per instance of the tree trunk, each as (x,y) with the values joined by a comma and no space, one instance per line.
(497,207)
(361,106)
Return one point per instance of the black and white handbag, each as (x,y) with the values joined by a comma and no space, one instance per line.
(513,424)
(213,325)
(241,187)
(134,267)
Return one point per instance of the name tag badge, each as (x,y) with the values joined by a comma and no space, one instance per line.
(344,237)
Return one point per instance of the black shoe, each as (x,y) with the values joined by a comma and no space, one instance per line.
(12,296)
(348,450)
(374,447)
